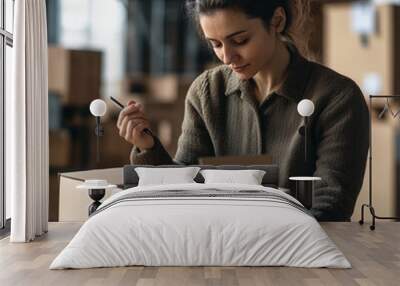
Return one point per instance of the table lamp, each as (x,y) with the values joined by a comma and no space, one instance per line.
(98,108)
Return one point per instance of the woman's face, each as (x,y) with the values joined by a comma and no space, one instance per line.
(244,44)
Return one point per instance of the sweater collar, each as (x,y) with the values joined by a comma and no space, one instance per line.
(293,87)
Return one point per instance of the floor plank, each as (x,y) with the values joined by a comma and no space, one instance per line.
(374,255)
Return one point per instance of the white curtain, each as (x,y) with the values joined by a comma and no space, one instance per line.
(27,124)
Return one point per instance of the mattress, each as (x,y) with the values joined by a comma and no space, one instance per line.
(201,225)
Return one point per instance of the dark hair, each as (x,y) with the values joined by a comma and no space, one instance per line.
(297,15)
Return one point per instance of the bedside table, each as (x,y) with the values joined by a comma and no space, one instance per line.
(304,191)
(73,203)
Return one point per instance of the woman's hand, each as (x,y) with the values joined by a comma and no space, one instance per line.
(131,124)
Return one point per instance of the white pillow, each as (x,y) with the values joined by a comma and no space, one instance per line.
(162,176)
(248,177)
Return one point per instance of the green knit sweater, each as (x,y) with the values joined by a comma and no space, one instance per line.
(223,118)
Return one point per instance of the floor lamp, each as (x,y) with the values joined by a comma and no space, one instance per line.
(304,191)
(370,205)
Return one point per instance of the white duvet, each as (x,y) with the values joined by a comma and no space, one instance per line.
(200,231)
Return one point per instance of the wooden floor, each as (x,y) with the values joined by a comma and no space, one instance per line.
(375,256)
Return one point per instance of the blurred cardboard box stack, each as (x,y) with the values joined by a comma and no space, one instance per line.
(374,64)
(346,53)
(74,81)
(75,75)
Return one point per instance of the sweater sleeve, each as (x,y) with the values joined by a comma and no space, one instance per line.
(194,141)
(154,156)
(342,133)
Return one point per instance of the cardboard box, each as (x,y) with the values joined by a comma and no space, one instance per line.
(75,75)
(169,88)
(164,88)
(345,53)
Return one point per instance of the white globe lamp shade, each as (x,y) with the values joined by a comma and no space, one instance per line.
(98,107)
(305,108)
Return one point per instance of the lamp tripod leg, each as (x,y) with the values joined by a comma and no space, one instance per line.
(372,210)
(361,221)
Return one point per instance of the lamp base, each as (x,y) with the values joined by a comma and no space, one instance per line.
(96,195)
(304,191)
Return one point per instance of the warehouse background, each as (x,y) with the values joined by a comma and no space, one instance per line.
(149,51)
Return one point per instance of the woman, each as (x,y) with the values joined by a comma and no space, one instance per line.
(248,105)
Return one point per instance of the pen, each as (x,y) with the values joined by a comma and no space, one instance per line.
(117,102)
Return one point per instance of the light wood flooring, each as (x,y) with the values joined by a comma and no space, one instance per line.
(375,256)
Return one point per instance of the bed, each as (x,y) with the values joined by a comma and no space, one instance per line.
(201,224)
